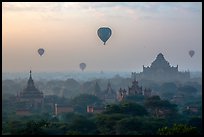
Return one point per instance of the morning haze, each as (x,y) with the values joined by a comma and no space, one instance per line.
(68,33)
(102,68)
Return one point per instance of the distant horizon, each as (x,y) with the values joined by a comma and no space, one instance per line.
(91,70)
(76,75)
(88,71)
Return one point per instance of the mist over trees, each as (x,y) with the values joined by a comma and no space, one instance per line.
(169,104)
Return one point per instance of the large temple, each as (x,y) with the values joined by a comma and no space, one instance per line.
(30,99)
(160,70)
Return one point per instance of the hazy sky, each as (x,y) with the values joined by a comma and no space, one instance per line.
(68,33)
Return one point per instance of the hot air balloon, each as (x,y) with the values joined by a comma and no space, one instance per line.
(41,51)
(104,34)
(82,66)
(191,53)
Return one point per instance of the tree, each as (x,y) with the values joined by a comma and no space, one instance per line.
(133,109)
(160,107)
(196,122)
(178,129)
(73,133)
(129,126)
(71,83)
(188,90)
(152,124)
(83,126)
(112,108)
(35,128)
(129,108)
(136,125)
(106,123)
(80,102)
(15,127)
(168,90)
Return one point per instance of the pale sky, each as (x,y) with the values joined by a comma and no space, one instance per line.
(68,33)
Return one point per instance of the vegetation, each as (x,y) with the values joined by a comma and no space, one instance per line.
(125,118)
(135,115)
(178,129)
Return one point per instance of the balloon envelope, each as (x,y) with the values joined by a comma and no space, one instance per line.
(191,53)
(82,66)
(104,33)
(41,51)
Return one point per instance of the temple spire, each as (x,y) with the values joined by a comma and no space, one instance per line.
(30,81)
(109,88)
(30,74)
(109,85)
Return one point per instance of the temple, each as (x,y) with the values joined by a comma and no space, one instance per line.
(107,96)
(160,70)
(134,90)
(30,99)
(110,94)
